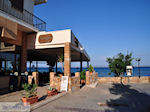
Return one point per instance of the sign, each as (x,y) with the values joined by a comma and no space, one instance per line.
(45,38)
(64,83)
(129,70)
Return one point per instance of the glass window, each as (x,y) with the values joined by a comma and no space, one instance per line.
(9,58)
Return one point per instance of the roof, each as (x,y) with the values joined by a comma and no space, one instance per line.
(37,2)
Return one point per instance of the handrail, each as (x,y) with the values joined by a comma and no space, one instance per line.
(24,15)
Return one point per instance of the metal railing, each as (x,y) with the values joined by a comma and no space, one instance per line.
(24,15)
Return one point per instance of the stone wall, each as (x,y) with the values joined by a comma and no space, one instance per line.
(91,77)
(74,82)
(55,81)
(125,80)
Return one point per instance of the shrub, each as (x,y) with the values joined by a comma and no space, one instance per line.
(82,75)
(91,69)
(50,88)
(31,90)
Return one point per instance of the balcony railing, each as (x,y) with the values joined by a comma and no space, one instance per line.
(24,15)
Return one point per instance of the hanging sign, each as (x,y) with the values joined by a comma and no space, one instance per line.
(64,83)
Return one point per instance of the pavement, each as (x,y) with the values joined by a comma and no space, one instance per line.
(16,96)
(103,98)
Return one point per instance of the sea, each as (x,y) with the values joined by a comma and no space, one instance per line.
(103,71)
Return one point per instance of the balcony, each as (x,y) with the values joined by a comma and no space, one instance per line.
(23,15)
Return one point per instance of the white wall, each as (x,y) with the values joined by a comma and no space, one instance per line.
(59,38)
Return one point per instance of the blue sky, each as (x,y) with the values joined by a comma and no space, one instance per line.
(104,27)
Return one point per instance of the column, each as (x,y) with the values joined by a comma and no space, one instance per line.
(67,63)
(36,77)
(24,53)
(0,65)
(30,65)
(5,65)
(56,67)
(67,59)
(87,64)
(80,62)
(36,66)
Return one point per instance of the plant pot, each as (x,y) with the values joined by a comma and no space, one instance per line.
(82,81)
(55,92)
(30,100)
(91,73)
(50,93)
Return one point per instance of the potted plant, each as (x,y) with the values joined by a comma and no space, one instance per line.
(91,69)
(55,91)
(51,91)
(82,77)
(31,93)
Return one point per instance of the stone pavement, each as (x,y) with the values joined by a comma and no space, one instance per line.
(16,96)
(114,97)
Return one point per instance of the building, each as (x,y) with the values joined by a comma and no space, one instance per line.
(23,38)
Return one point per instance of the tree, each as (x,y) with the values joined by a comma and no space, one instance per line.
(51,62)
(61,60)
(118,63)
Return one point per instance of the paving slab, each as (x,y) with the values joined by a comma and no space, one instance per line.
(117,97)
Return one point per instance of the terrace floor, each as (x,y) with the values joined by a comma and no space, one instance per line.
(16,96)
(112,97)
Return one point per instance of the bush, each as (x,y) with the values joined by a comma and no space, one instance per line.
(82,75)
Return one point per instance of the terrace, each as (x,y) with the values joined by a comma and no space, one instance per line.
(23,15)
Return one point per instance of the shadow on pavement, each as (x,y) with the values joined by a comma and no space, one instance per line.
(134,100)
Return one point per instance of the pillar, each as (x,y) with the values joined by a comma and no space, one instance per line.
(36,66)
(80,62)
(87,64)
(77,75)
(5,65)
(0,65)
(67,63)
(24,53)
(56,67)
(51,80)
(67,59)
(30,65)
(87,77)
(36,77)
(30,78)
(14,66)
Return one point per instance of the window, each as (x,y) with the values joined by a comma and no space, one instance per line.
(9,59)
(17,4)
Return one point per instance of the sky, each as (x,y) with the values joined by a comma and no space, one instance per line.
(104,27)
